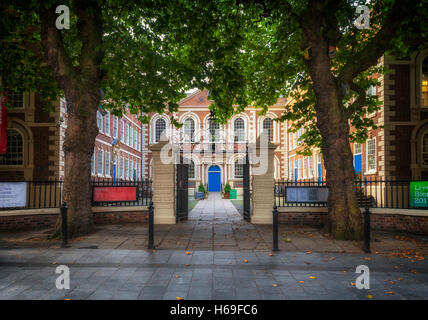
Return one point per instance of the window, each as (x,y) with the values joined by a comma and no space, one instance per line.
(115,125)
(239,130)
(100,159)
(93,164)
(121,168)
(160,127)
(122,131)
(239,169)
(100,121)
(126,169)
(107,124)
(424,83)
(139,142)
(268,128)
(136,135)
(127,133)
(425,149)
(131,136)
(214,128)
(311,166)
(107,164)
(14,149)
(189,130)
(16,99)
(299,167)
(371,155)
(138,171)
(357,148)
(305,172)
(294,139)
(191,170)
(131,169)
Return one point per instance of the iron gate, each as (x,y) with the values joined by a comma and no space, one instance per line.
(247,190)
(181,194)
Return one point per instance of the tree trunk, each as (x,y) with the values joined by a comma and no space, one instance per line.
(344,214)
(78,149)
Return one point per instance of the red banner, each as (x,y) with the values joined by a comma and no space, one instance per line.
(3,124)
(101,194)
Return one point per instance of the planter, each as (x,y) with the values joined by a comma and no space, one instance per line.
(200,195)
(225,195)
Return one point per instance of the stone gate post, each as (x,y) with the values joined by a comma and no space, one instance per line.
(263,182)
(163,182)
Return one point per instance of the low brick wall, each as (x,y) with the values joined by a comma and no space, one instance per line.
(27,222)
(408,220)
(47,218)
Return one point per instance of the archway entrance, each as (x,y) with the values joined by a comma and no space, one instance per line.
(214,179)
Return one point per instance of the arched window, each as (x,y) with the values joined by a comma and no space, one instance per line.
(15,149)
(239,130)
(189,130)
(239,169)
(425,148)
(160,127)
(424,83)
(214,130)
(191,170)
(268,128)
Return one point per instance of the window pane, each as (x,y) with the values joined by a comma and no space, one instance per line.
(371,155)
(268,127)
(14,149)
(239,130)
(191,170)
(160,127)
(100,162)
(214,130)
(239,169)
(189,130)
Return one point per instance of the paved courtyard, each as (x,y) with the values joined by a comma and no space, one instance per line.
(213,255)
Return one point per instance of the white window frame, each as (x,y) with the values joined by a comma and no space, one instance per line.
(122,131)
(100,151)
(127,133)
(368,170)
(136,135)
(93,163)
(131,136)
(107,124)
(107,164)
(126,169)
(115,127)
(121,167)
(100,118)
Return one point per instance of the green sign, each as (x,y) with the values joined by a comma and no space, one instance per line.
(419,194)
(232,194)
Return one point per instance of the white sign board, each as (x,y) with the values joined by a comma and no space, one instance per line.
(307,194)
(13,194)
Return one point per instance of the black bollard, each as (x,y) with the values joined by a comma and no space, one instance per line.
(151,244)
(367,230)
(275,229)
(64,229)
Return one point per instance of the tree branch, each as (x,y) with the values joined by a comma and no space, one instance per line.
(89,25)
(364,59)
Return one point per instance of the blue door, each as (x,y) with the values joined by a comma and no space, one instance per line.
(358,166)
(214,179)
(319,173)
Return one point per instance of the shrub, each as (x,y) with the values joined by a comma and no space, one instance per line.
(201,188)
(227,188)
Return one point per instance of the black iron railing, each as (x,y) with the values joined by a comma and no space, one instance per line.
(39,194)
(45,194)
(374,193)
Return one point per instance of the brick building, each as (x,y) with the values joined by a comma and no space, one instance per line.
(200,132)
(35,136)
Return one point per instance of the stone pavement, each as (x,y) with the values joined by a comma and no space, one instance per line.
(213,255)
(226,275)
